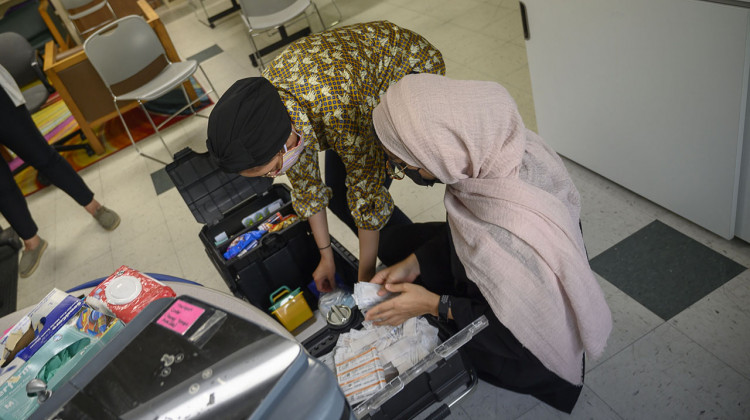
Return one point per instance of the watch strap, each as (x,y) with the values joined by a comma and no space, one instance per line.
(444,306)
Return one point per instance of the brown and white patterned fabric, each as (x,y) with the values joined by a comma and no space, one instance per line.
(330,82)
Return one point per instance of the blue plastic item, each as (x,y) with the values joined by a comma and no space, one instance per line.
(244,241)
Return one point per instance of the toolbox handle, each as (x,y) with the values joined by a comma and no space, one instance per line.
(274,297)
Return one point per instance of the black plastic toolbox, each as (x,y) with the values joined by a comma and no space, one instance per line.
(220,201)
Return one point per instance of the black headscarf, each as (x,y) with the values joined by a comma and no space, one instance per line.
(248,125)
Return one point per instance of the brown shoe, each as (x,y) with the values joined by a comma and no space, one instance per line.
(107,219)
(30,259)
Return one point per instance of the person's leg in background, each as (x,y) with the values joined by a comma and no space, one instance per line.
(19,133)
(13,207)
(335,178)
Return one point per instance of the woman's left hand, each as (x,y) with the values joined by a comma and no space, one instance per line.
(414,300)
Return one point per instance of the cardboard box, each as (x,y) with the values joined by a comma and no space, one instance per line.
(47,317)
(55,362)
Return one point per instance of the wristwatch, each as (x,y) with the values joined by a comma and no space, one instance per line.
(443,307)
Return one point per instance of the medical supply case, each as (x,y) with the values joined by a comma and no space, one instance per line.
(220,201)
(287,258)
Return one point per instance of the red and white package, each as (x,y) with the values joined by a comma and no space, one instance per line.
(126,292)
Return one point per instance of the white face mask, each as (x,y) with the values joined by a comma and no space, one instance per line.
(291,156)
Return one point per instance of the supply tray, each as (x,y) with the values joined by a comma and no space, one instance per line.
(436,383)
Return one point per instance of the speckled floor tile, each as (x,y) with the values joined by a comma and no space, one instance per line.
(666,375)
(491,402)
(630,322)
(720,323)
(589,406)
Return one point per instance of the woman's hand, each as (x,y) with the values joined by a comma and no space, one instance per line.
(414,300)
(404,272)
(325,274)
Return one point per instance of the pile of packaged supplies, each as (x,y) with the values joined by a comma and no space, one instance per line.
(261,222)
(365,360)
(61,333)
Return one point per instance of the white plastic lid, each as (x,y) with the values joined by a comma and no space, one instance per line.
(122,290)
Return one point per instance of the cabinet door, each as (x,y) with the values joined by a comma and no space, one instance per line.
(742,229)
(648,93)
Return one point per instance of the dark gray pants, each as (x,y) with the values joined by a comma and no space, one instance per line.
(19,133)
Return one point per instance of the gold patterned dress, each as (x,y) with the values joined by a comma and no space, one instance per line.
(330,82)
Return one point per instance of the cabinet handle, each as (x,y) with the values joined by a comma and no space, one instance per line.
(525,22)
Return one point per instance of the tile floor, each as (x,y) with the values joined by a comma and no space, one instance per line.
(695,364)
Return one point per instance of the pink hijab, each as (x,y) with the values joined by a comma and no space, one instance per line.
(470,135)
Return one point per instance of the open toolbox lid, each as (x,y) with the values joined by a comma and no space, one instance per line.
(208,191)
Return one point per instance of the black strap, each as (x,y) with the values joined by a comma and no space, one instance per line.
(443,307)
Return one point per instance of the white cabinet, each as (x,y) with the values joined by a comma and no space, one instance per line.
(651,94)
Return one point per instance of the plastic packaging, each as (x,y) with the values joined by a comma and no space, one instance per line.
(249,240)
(220,238)
(284,223)
(35,320)
(245,241)
(336,297)
(361,375)
(366,295)
(126,292)
(55,363)
(272,220)
(262,213)
(35,330)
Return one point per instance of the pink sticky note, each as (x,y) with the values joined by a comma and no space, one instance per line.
(180,316)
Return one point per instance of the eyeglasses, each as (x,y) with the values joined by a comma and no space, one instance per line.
(273,173)
(396,170)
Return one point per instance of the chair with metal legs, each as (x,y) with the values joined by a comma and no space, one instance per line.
(77,10)
(338,19)
(126,49)
(266,15)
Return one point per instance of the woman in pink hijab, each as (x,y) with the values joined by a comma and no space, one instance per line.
(512,247)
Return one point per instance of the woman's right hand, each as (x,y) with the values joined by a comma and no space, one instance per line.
(405,271)
(325,274)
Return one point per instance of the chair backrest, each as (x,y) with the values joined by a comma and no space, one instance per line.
(265,14)
(122,49)
(16,55)
(26,21)
(77,10)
